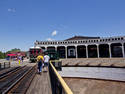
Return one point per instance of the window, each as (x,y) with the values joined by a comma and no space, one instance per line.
(75,41)
(115,38)
(121,38)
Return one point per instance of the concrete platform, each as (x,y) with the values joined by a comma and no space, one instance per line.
(16,63)
(117,74)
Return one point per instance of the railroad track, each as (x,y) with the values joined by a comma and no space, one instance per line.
(17,81)
(5,74)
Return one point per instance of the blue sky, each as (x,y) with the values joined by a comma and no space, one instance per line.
(24,21)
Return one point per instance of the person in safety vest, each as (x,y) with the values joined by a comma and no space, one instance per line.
(40,61)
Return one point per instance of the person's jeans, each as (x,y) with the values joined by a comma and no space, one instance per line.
(40,66)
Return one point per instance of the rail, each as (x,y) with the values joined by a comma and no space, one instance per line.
(58,85)
(23,82)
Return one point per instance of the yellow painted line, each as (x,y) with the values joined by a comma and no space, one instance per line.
(63,83)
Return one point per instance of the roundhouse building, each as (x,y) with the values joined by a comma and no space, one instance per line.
(86,47)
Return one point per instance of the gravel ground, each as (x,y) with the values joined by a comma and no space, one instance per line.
(25,62)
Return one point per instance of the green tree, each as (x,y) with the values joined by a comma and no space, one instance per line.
(2,55)
(13,50)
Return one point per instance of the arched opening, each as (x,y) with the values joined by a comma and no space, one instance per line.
(71,53)
(116,50)
(51,48)
(81,50)
(61,51)
(124,48)
(43,48)
(92,51)
(104,50)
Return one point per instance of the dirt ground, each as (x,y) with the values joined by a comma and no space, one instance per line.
(92,86)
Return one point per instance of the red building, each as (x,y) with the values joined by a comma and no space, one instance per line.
(15,55)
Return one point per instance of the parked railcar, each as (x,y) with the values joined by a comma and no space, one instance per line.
(34,52)
(53,54)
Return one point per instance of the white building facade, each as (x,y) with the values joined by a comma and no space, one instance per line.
(86,47)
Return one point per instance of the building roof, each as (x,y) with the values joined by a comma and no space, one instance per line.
(82,37)
(11,54)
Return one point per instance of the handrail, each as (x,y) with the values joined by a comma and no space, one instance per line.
(63,83)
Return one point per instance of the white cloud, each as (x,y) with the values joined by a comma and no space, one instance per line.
(54,33)
(11,10)
(49,39)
